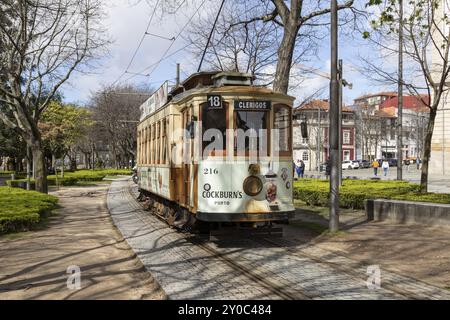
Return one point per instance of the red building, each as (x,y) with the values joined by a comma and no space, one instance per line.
(315,149)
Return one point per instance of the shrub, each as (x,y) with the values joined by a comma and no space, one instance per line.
(20,210)
(353,193)
(96,175)
(426,197)
(21,183)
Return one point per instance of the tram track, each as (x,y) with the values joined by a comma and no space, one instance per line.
(269,282)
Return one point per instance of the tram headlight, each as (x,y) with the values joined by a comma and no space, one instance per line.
(252,185)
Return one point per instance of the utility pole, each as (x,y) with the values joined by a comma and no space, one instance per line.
(334,122)
(400,96)
(340,74)
(178,76)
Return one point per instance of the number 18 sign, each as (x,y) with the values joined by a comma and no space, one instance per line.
(214,101)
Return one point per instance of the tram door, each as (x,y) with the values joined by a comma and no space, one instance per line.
(187,156)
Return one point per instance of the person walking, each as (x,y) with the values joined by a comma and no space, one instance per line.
(407,162)
(328,169)
(375,165)
(298,169)
(385,167)
(302,167)
(418,163)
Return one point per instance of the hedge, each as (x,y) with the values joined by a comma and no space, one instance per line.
(20,210)
(353,193)
(71,178)
(96,175)
(51,180)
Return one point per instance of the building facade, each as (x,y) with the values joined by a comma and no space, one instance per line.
(440,143)
(314,150)
(377,116)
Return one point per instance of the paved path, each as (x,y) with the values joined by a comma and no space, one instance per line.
(188,271)
(33,265)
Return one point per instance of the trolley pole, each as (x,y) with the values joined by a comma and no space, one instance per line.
(400,96)
(333,135)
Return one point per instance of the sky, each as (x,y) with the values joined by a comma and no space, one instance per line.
(126,22)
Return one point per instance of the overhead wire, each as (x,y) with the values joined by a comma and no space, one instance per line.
(139,44)
(155,65)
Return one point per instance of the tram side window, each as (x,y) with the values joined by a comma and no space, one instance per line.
(147,147)
(138,160)
(252,123)
(153,143)
(214,119)
(282,123)
(164,141)
(158,143)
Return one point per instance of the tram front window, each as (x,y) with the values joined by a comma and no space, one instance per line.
(214,127)
(251,132)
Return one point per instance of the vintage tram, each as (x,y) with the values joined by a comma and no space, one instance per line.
(184,180)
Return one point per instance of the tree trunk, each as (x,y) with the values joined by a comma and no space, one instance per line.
(427,151)
(285,54)
(39,168)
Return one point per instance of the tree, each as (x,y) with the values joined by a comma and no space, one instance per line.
(298,22)
(116,114)
(62,126)
(12,146)
(426,48)
(43,43)
(232,48)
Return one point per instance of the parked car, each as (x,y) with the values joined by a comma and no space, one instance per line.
(392,162)
(365,164)
(350,164)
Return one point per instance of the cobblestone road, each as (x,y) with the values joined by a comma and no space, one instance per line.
(186,270)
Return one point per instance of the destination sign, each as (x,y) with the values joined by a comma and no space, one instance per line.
(252,105)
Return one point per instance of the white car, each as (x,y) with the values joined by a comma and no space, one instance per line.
(349,164)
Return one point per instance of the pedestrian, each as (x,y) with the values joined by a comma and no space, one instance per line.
(327,169)
(418,163)
(407,162)
(298,168)
(302,167)
(385,167)
(375,165)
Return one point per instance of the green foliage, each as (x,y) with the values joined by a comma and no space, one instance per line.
(21,183)
(20,210)
(353,193)
(4,173)
(71,178)
(62,126)
(425,197)
(96,175)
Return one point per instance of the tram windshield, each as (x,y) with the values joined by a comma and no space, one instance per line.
(252,125)
(216,120)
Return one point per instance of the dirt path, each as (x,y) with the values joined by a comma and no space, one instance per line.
(33,265)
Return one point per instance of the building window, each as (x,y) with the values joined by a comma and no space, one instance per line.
(346,137)
(305,156)
(346,155)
